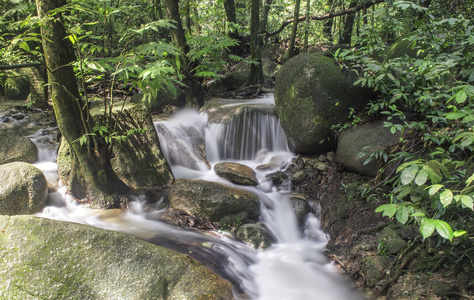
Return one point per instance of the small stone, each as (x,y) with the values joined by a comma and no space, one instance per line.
(331,156)
(323,158)
(299,175)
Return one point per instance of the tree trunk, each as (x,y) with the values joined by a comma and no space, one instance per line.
(101,183)
(188,17)
(159,10)
(291,48)
(229,6)
(306,30)
(348,26)
(178,37)
(256,72)
(327,27)
(196,19)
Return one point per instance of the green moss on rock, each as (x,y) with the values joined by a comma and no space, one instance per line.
(48,259)
(312,86)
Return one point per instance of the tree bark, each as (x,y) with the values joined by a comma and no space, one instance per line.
(178,37)
(256,72)
(291,48)
(327,27)
(188,17)
(73,121)
(306,29)
(348,26)
(229,6)
(196,19)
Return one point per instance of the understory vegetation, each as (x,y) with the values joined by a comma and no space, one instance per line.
(426,86)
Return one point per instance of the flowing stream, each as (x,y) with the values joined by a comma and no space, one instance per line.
(293,268)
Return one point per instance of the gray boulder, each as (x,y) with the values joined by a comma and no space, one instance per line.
(212,201)
(23,189)
(16,148)
(351,142)
(236,173)
(311,95)
(44,258)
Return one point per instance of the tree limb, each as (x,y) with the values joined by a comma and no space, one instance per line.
(325,16)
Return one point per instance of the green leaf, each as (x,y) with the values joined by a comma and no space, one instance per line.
(421,177)
(389,210)
(467,201)
(427,227)
(446,197)
(402,214)
(409,174)
(455,115)
(444,229)
(458,233)
(435,188)
(461,96)
(469,180)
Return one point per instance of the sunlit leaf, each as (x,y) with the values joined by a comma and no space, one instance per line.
(427,227)
(421,177)
(402,214)
(435,188)
(446,197)
(409,174)
(388,210)
(444,229)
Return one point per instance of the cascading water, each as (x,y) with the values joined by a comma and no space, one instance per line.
(293,268)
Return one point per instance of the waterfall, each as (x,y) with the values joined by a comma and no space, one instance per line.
(293,268)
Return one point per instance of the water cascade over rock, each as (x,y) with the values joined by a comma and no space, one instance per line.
(292,266)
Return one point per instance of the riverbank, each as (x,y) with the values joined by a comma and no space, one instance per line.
(389,259)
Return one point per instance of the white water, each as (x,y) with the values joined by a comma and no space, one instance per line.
(294,268)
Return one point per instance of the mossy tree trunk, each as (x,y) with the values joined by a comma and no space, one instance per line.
(99,181)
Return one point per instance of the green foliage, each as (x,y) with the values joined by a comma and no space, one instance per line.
(208,51)
(437,86)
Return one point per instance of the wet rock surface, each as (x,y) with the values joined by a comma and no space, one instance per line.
(45,258)
(236,173)
(212,201)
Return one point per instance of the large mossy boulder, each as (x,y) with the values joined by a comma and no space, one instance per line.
(370,138)
(403,47)
(44,258)
(212,201)
(137,160)
(16,148)
(311,95)
(23,189)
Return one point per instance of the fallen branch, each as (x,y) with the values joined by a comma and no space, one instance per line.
(324,17)
(11,67)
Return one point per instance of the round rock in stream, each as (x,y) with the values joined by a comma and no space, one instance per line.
(236,173)
(212,201)
(16,148)
(23,189)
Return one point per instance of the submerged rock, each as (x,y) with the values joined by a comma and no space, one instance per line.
(45,258)
(236,173)
(212,201)
(311,95)
(16,148)
(23,189)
